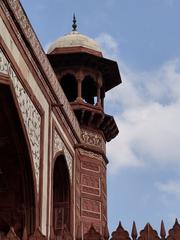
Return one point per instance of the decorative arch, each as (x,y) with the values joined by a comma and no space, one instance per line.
(89,89)
(90,73)
(17,180)
(59,148)
(69,85)
(29,116)
(61,195)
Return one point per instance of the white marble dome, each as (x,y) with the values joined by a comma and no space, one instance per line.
(74,39)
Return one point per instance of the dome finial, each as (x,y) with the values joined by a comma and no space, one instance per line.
(74,25)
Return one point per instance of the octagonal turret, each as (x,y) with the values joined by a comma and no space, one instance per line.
(85,75)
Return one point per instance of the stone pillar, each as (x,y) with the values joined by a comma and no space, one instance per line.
(99,85)
(99,95)
(79,78)
(102,97)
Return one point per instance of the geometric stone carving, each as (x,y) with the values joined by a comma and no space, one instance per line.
(91,208)
(90,166)
(90,181)
(90,184)
(87,225)
(30,115)
(148,233)
(174,233)
(58,145)
(92,234)
(120,233)
(91,205)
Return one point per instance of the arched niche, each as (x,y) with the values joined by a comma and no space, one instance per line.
(61,195)
(89,90)
(17,195)
(69,85)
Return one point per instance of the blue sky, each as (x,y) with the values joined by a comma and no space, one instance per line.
(143,36)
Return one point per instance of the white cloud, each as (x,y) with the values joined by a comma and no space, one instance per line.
(109,45)
(147,110)
(47,46)
(171,188)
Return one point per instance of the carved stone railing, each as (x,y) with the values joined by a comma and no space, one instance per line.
(11,235)
(92,234)
(148,233)
(63,235)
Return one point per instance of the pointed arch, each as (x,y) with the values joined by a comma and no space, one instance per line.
(69,85)
(18,196)
(61,188)
(89,89)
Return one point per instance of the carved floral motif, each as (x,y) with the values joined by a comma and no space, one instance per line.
(93,139)
(30,115)
(58,145)
(41,56)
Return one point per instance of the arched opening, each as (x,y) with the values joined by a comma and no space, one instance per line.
(89,90)
(69,85)
(61,195)
(17,197)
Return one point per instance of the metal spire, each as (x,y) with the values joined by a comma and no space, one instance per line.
(74,25)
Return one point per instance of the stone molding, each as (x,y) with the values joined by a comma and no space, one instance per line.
(41,56)
(91,154)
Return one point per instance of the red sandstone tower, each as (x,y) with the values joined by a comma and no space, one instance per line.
(52,168)
(85,76)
